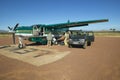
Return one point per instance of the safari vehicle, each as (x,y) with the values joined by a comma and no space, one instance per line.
(80,38)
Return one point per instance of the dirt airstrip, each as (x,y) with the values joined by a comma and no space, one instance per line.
(100,61)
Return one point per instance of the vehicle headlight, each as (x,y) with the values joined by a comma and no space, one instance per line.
(82,40)
(70,39)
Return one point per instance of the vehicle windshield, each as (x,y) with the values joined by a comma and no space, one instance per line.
(78,33)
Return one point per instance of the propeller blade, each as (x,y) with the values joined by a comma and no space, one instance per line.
(9,28)
(15,26)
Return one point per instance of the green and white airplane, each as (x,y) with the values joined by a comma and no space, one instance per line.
(38,33)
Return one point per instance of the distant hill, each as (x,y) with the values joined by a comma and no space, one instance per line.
(3,31)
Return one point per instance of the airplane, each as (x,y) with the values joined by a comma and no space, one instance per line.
(38,33)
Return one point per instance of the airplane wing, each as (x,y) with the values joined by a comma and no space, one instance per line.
(75,24)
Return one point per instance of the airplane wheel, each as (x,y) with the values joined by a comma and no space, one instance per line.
(20,46)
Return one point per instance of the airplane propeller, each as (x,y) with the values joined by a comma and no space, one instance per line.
(13,28)
(13,31)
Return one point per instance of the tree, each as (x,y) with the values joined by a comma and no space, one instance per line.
(112,29)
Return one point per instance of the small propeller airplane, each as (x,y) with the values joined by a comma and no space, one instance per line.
(38,33)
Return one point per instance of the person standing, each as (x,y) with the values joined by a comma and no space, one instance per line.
(49,39)
(66,40)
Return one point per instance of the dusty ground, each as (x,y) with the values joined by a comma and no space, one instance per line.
(101,61)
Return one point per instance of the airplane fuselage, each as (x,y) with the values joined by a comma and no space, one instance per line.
(38,33)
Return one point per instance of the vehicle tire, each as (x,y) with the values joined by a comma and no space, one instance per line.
(85,45)
(70,46)
(88,43)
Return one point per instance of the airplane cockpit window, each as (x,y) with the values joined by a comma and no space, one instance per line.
(35,27)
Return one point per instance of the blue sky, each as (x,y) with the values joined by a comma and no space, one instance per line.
(29,12)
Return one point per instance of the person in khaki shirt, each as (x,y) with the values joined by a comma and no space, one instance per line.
(66,40)
(49,39)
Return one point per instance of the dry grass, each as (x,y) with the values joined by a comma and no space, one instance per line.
(2,35)
(107,34)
